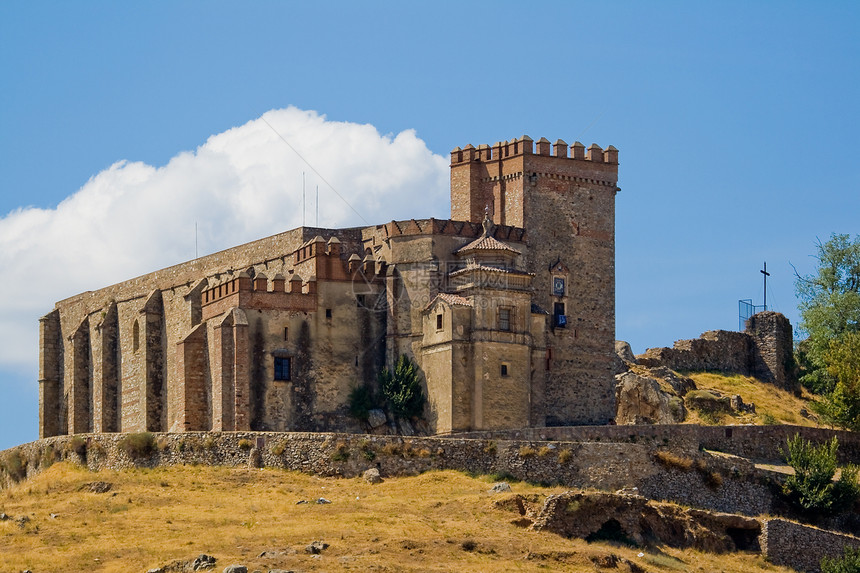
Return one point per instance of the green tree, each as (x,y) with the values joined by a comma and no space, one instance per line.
(848,563)
(402,388)
(829,307)
(841,406)
(812,488)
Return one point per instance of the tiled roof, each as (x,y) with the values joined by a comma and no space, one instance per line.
(487,243)
(490,269)
(452,299)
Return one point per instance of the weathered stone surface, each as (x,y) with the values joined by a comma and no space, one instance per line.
(98,486)
(372,476)
(802,547)
(376,418)
(640,399)
(764,350)
(625,352)
(316,547)
(501,487)
(592,515)
(235,569)
(203,562)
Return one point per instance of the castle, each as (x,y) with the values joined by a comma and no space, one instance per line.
(508,309)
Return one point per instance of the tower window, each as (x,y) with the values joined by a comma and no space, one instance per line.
(559,319)
(282,368)
(286,333)
(439,321)
(504,371)
(328,313)
(504,319)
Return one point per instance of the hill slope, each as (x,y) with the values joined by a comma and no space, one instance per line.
(438,521)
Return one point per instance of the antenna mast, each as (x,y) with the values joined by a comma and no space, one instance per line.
(303,198)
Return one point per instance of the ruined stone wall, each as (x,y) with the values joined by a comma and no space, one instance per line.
(773,360)
(801,547)
(764,350)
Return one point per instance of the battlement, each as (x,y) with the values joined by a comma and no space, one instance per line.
(525,145)
(243,291)
(466,229)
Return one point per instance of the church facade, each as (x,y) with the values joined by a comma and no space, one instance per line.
(507,308)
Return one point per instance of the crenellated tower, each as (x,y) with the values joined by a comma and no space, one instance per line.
(564,198)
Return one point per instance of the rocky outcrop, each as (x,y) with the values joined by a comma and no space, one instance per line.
(650,396)
(606,516)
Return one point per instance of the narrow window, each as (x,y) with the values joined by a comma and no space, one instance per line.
(504,370)
(504,319)
(438,322)
(359,300)
(282,368)
(328,313)
(559,319)
(135,336)
(286,333)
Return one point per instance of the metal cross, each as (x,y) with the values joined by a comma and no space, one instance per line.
(766,274)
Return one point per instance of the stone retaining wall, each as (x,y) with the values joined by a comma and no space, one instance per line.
(716,483)
(757,442)
(801,547)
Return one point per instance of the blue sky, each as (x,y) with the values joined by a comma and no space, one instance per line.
(736,124)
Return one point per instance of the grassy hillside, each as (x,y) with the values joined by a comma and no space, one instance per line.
(773,405)
(438,521)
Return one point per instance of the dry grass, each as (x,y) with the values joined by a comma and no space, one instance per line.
(438,521)
(773,405)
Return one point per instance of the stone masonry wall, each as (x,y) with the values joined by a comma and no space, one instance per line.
(764,350)
(602,465)
(801,547)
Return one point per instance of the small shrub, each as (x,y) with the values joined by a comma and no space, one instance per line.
(15,465)
(423,453)
(209,443)
(138,445)
(78,445)
(503,476)
(366,448)
(246,444)
(812,488)
(48,457)
(673,461)
(565,456)
(544,451)
(162,444)
(401,388)
(527,451)
(768,419)
(490,448)
(391,449)
(848,563)
(361,402)
(340,453)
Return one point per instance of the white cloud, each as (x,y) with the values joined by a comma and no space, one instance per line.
(241,185)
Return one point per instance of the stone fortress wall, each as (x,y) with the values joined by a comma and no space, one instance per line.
(272,335)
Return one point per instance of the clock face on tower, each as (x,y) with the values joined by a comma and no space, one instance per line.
(558,286)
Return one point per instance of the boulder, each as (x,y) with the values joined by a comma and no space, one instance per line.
(625,352)
(376,418)
(372,476)
(316,547)
(500,487)
(641,400)
(235,569)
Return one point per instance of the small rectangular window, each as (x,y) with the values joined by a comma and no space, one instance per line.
(438,322)
(282,368)
(504,370)
(328,313)
(504,319)
(286,333)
